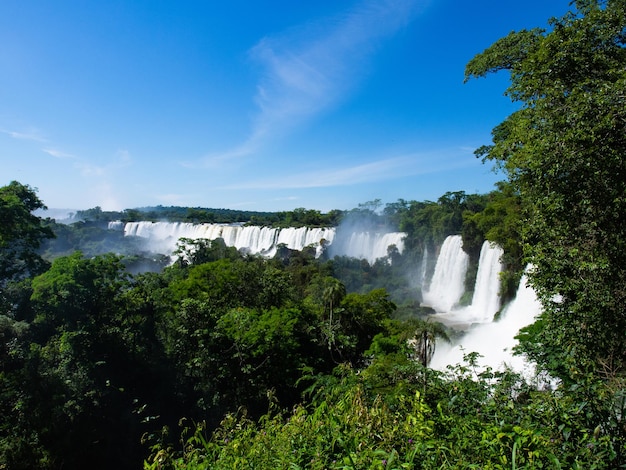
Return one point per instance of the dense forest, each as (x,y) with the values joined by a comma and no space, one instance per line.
(295,218)
(222,359)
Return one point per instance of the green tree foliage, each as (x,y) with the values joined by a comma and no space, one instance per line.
(95,361)
(199,251)
(21,233)
(499,222)
(564,152)
(363,316)
(428,223)
(201,216)
(74,386)
(491,421)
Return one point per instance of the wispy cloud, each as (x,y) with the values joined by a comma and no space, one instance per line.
(32,135)
(57,153)
(311,68)
(378,170)
(90,170)
(121,159)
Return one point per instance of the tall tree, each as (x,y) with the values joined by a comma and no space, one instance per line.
(564,150)
(334,292)
(21,232)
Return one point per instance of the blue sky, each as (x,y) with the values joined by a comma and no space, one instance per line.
(267,105)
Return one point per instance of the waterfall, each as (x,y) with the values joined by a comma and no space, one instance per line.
(447,285)
(116,225)
(298,238)
(163,236)
(495,341)
(423,267)
(486,299)
(448,282)
(366,245)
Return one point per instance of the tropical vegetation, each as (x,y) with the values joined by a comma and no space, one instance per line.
(226,360)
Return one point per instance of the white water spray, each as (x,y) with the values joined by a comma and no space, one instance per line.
(367,245)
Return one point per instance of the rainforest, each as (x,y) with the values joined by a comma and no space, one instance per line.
(193,338)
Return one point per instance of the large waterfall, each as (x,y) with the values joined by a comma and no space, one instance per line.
(163,238)
(493,340)
(486,301)
(448,282)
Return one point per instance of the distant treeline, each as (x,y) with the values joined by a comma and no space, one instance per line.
(296,218)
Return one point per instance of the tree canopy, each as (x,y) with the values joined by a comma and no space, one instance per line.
(564,150)
(21,232)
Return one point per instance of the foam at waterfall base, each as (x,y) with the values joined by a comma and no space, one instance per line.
(494,341)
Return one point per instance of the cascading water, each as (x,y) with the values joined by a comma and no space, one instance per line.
(163,238)
(448,282)
(367,245)
(116,225)
(423,268)
(486,300)
(495,341)
(298,238)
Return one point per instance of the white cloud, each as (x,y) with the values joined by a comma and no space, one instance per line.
(32,135)
(57,153)
(378,170)
(311,68)
(90,170)
(123,158)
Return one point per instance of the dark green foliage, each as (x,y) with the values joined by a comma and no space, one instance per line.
(75,389)
(383,418)
(299,217)
(429,223)
(499,222)
(21,233)
(195,252)
(93,361)
(563,152)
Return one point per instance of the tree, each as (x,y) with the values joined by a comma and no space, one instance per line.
(564,151)
(80,370)
(334,292)
(360,318)
(21,233)
(499,222)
